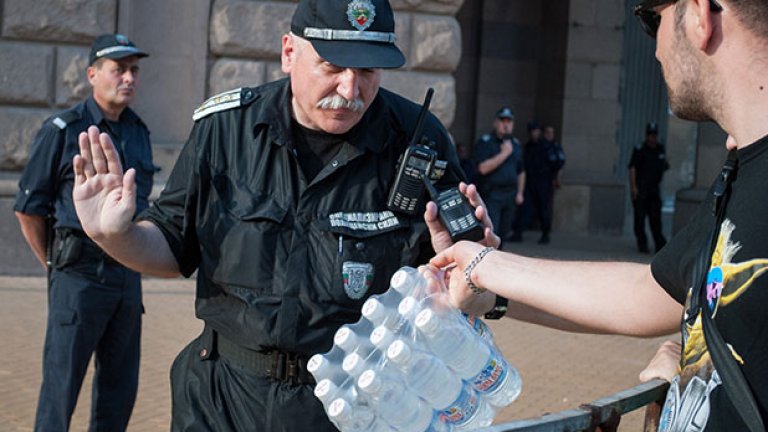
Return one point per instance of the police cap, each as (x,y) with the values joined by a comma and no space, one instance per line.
(113,46)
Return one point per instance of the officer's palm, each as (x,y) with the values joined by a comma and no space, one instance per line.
(105,199)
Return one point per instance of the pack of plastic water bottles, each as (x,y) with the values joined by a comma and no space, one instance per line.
(413,363)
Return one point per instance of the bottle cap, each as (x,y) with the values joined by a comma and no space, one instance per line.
(399,352)
(340,410)
(346,339)
(369,382)
(317,363)
(325,389)
(374,311)
(404,280)
(382,337)
(353,364)
(408,307)
(426,321)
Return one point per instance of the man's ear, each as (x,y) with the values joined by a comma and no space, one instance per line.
(287,53)
(90,73)
(703,20)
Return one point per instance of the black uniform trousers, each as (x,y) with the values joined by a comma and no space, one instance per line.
(216,393)
(648,204)
(538,203)
(501,209)
(95,306)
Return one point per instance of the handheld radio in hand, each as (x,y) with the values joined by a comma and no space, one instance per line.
(406,195)
(456,213)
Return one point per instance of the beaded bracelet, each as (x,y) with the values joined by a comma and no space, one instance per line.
(472,264)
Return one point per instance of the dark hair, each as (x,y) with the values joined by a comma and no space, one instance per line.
(753,14)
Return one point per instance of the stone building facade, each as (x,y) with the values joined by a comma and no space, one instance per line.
(562,62)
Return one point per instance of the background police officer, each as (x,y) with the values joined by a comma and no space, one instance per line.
(500,171)
(646,168)
(94,302)
(278,201)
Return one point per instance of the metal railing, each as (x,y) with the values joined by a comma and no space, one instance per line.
(602,415)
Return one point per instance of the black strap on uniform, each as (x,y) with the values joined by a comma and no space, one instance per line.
(735,384)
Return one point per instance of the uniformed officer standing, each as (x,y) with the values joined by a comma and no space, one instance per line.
(278,201)
(646,168)
(94,302)
(500,171)
(543,158)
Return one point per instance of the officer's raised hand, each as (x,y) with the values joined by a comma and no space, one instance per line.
(104,197)
(441,238)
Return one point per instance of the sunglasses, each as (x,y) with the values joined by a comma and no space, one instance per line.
(650,20)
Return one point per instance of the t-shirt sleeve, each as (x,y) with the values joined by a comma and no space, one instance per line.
(174,212)
(672,267)
(38,183)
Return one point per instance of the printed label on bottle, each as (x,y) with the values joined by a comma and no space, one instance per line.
(492,375)
(462,410)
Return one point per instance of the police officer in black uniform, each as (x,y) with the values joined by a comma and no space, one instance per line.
(278,201)
(500,171)
(94,302)
(646,168)
(543,158)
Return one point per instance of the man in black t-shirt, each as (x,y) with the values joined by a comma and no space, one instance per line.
(646,168)
(714,55)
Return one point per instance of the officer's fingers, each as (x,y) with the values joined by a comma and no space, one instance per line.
(491,239)
(430,214)
(113,160)
(129,187)
(78,166)
(444,258)
(85,153)
(98,160)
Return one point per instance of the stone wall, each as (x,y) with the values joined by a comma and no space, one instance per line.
(197,48)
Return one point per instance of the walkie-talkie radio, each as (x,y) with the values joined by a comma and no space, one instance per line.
(456,213)
(407,193)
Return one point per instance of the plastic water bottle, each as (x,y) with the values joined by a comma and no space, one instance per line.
(381,337)
(480,327)
(322,368)
(408,282)
(408,308)
(394,403)
(458,404)
(471,358)
(354,365)
(354,419)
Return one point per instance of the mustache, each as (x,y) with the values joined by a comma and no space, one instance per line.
(338,102)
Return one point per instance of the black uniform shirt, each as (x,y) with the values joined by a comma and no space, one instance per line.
(282,261)
(46,184)
(649,164)
(505,176)
(543,159)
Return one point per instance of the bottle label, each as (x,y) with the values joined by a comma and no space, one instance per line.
(462,410)
(476,324)
(492,375)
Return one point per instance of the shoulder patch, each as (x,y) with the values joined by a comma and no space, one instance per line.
(62,120)
(224,101)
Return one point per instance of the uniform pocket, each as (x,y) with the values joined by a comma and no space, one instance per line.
(65,317)
(364,249)
(246,236)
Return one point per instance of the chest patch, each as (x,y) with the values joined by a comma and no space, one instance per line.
(358,278)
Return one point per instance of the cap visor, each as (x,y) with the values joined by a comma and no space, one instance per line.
(359,54)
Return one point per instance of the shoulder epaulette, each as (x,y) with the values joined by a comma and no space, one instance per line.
(486,137)
(224,101)
(62,120)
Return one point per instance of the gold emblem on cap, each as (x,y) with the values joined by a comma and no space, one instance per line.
(360,14)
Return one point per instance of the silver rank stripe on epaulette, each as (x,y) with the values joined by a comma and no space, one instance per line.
(61,124)
(220,102)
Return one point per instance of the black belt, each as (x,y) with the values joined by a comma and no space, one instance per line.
(278,365)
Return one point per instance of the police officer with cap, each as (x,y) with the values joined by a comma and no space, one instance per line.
(278,202)
(95,304)
(501,172)
(646,168)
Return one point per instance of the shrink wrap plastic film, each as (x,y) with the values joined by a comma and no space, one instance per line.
(413,363)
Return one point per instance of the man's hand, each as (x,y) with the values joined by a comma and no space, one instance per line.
(440,236)
(105,199)
(665,364)
(506,148)
(455,260)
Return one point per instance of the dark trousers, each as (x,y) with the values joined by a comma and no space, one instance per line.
(95,308)
(538,203)
(501,209)
(216,394)
(648,205)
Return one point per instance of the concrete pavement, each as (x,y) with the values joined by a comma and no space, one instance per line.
(559,370)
